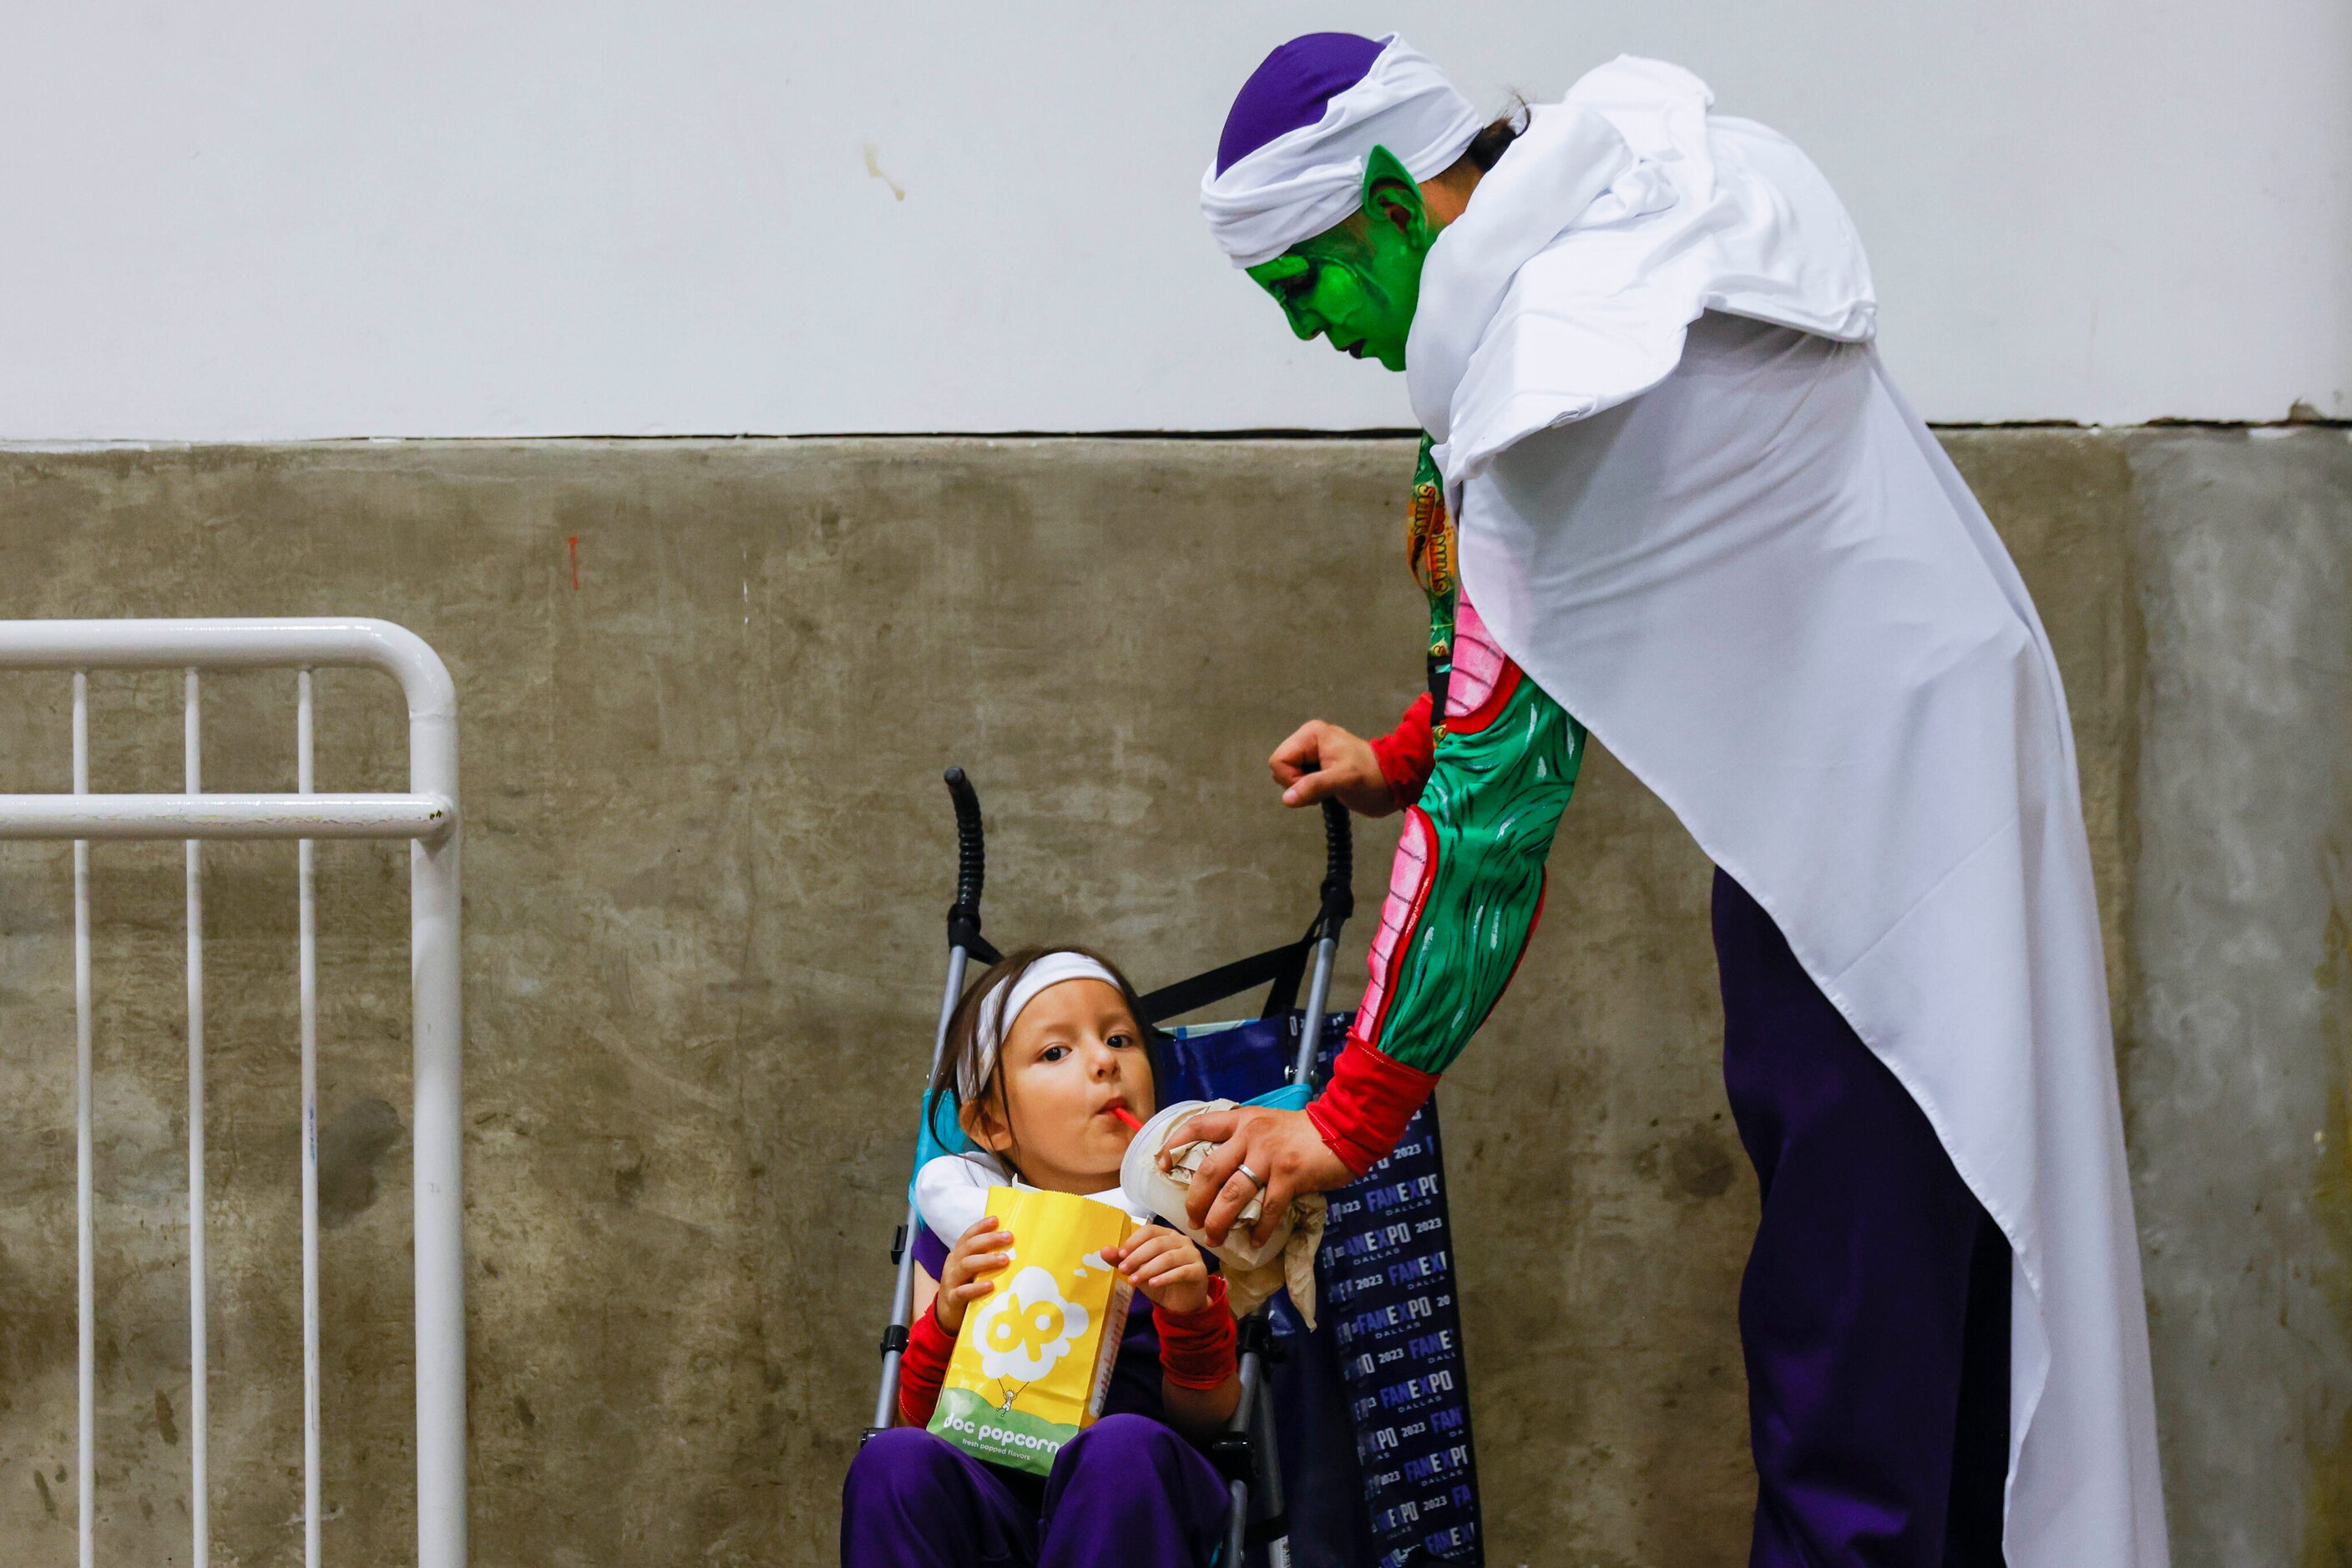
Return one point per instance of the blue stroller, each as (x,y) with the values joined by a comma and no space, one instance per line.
(1351,1443)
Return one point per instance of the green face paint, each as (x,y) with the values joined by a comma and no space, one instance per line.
(1357,284)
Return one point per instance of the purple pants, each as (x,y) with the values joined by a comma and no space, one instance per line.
(1127,1491)
(1874,1312)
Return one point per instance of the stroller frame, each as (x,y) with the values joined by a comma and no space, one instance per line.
(1245,1452)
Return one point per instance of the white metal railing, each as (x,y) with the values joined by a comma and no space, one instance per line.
(426,817)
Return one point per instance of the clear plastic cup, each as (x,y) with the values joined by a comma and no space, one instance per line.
(1149,1188)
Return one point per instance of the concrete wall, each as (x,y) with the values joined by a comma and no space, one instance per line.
(706,690)
(276,220)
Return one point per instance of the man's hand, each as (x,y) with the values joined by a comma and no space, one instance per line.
(1322,759)
(1281,1147)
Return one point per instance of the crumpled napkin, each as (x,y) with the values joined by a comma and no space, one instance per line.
(1246,1286)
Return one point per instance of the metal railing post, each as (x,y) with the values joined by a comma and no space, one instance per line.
(427,816)
(199,1266)
(85,1158)
(436,971)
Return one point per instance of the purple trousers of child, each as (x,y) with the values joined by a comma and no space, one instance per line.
(1127,1492)
(1874,1312)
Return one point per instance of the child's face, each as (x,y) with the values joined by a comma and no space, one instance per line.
(1075,1052)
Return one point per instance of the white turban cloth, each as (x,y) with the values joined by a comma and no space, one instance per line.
(1305,181)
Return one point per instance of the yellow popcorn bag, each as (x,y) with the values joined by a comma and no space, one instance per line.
(1033,1358)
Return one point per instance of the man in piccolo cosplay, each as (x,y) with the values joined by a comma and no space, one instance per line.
(1669,493)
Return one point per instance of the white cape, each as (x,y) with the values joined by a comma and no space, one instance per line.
(1764,587)
(1622,212)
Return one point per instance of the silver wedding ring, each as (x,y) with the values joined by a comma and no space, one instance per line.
(1256,1180)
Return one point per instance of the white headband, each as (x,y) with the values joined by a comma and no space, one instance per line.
(1305,181)
(1000,1009)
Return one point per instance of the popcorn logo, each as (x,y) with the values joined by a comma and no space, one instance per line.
(1027,1326)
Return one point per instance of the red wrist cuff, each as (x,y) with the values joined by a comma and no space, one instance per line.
(1196,1349)
(1363,1109)
(922,1367)
(1407,753)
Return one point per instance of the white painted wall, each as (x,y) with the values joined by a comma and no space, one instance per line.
(420,217)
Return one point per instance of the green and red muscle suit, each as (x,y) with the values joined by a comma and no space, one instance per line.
(1483,765)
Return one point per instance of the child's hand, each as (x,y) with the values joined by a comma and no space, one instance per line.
(963,1279)
(1165,1266)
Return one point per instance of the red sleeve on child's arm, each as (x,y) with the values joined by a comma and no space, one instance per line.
(1407,752)
(922,1367)
(1363,1109)
(1196,1349)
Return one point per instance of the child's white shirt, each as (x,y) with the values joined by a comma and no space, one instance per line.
(951,1193)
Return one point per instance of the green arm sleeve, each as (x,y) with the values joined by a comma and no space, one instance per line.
(1469,876)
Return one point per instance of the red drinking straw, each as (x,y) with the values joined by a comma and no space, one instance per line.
(1124,1114)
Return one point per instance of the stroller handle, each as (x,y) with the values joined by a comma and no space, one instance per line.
(972,846)
(1339,865)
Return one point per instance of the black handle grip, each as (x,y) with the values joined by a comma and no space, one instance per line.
(972,849)
(1339,865)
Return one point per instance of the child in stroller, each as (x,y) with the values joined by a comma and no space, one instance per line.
(1045,1053)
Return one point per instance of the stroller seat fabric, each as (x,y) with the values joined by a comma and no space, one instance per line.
(1373,1406)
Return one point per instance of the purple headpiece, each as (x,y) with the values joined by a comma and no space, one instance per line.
(1290,87)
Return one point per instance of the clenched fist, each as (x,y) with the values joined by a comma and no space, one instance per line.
(1320,758)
